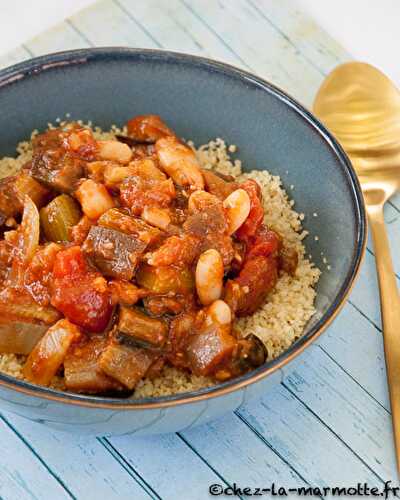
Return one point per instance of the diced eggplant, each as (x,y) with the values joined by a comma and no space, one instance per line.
(10,204)
(25,185)
(208,349)
(20,337)
(165,279)
(117,219)
(127,364)
(13,191)
(116,254)
(62,175)
(218,184)
(142,328)
(251,353)
(49,353)
(128,140)
(82,371)
(210,220)
(58,217)
(179,330)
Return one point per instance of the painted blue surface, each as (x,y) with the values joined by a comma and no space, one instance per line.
(328,422)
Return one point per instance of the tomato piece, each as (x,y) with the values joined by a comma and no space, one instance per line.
(265,243)
(246,293)
(79,292)
(70,262)
(256,216)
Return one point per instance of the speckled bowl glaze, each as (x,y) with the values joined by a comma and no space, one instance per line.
(200,99)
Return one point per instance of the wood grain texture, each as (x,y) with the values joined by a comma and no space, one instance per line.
(85,465)
(22,475)
(329,421)
(302,440)
(168,465)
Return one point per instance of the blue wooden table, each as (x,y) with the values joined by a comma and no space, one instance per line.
(328,423)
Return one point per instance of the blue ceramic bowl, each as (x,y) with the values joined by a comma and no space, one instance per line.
(200,99)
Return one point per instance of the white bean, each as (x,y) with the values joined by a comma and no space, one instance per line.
(157,217)
(180,163)
(219,313)
(237,206)
(200,200)
(209,276)
(114,151)
(94,198)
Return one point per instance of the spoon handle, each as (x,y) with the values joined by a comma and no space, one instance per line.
(390,310)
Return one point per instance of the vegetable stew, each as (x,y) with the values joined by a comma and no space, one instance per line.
(118,257)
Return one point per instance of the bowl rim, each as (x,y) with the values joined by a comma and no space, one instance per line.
(36,65)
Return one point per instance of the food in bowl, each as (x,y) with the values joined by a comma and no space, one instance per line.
(130,262)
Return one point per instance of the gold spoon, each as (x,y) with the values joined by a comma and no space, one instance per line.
(361,106)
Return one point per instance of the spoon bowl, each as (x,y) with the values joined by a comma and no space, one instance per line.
(362,108)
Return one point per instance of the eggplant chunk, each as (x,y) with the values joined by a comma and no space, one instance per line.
(20,337)
(142,328)
(218,184)
(115,218)
(61,175)
(10,205)
(82,371)
(49,353)
(250,354)
(125,363)
(209,348)
(13,191)
(116,254)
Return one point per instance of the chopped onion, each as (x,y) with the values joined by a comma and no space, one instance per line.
(18,337)
(29,231)
(27,242)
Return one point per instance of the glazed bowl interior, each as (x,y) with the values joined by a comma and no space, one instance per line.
(202,100)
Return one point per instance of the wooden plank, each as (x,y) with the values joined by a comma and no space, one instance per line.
(22,475)
(168,465)
(260,45)
(18,55)
(357,346)
(86,467)
(365,292)
(346,409)
(106,24)
(233,449)
(302,32)
(62,37)
(175,27)
(302,440)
